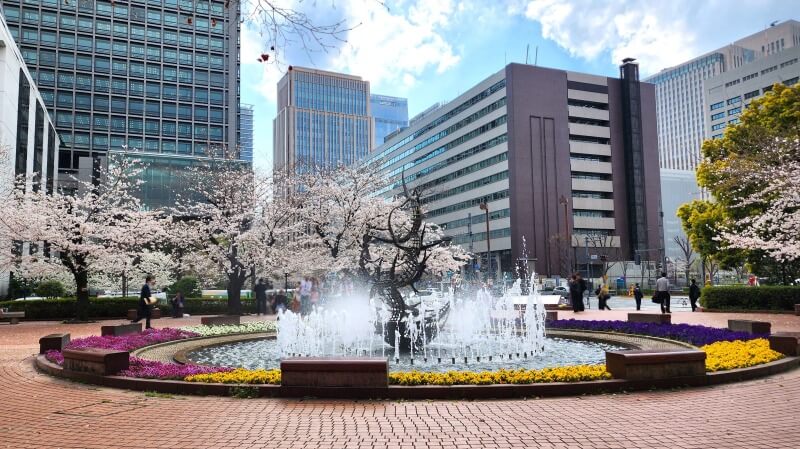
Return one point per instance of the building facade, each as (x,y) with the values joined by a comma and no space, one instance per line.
(729,93)
(678,187)
(323,119)
(159,76)
(680,105)
(246,132)
(390,114)
(566,164)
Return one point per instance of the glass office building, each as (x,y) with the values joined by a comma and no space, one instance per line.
(160,76)
(323,119)
(390,114)
(246,132)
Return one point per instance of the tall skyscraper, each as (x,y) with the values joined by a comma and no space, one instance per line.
(323,119)
(680,106)
(565,164)
(246,132)
(390,114)
(160,76)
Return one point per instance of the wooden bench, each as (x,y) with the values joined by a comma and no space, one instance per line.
(104,362)
(653,364)
(121,329)
(787,343)
(750,326)
(220,320)
(12,317)
(335,372)
(53,342)
(658,318)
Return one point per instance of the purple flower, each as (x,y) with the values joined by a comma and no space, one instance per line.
(150,369)
(54,356)
(694,334)
(132,341)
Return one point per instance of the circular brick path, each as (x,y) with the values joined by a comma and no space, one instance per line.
(37,411)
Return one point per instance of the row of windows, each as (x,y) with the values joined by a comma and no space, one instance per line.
(99,123)
(477,219)
(732,83)
(587,104)
(591,195)
(502,157)
(734,111)
(588,121)
(718,115)
(718,126)
(592,213)
(577,232)
(443,118)
(574,157)
(133,87)
(591,176)
(467,204)
(717,105)
(769,69)
(481,236)
(734,100)
(116,142)
(752,94)
(589,139)
(117,105)
(478,183)
(750,76)
(788,63)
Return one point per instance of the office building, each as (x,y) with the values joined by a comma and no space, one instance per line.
(159,76)
(29,142)
(563,161)
(323,119)
(729,93)
(246,132)
(678,187)
(390,114)
(680,106)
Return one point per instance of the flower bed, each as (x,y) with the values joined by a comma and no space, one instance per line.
(726,355)
(690,333)
(578,373)
(239,376)
(151,369)
(210,331)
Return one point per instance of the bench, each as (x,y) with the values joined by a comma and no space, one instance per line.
(658,318)
(335,372)
(220,320)
(750,326)
(53,342)
(797,309)
(104,362)
(787,343)
(121,329)
(645,364)
(155,314)
(12,317)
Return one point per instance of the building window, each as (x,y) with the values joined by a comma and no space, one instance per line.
(137,69)
(170,92)
(135,125)
(100,84)
(153,109)
(136,88)
(153,90)
(750,95)
(119,105)
(718,116)
(47,78)
(121,30)
(153,71)
(734,100)
(201,113)
(169,110)
(185,112)
(186,40)
(153,127)
(718,126)
(137,32)
(734,111)
(83,101)
(200,95)
(791,81)
(102,65)
(733,122)
(168,129)
(135,106)
(66,80)
(184,130)
(119,86)
(185,93)
(721,104)
(100,103)
(101,122)
(82,120)
(23,115)
(170,74)
(118,124)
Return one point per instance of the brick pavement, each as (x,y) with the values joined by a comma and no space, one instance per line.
(37,411)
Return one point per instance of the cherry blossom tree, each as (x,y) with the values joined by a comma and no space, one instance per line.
(80,231)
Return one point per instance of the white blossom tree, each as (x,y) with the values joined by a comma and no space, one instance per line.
(80,231)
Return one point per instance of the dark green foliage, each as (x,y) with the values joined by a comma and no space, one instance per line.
(188,285)
(771,297)
(63,308)
(51,289)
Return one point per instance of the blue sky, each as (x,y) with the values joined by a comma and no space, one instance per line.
(429,51)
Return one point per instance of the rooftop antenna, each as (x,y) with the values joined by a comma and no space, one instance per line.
(527,49)
(536,56)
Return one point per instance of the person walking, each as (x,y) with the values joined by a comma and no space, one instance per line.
(602,297)
(305,296)
(662,292)
(694,294)
(145,300)
(637,295)
(279,305)
(576,288)
(177,305)
(261,297)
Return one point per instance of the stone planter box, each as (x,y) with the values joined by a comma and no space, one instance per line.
(658,318)
(155,314)
(220,320)
(53,342)
(121,329)
(551,315)
(12,317)
(654,364)
(104,362)
(749,326)
(797,309)
(787,343)
(366,372)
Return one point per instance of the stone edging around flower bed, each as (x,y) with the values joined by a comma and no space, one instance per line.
(501,391)
(164,352)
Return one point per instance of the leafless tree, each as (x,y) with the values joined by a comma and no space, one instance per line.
(688,253)
(610,253)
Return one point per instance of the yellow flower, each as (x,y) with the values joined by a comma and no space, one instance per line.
(239,376)
(725,355)
(502,376)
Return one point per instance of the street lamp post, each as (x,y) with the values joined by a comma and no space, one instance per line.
(485,207)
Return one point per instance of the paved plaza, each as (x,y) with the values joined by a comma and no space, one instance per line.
(37,411)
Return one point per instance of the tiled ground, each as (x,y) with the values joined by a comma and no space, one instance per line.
(37,411)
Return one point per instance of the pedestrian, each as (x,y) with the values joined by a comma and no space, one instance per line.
(602,297)
(279,305)
(305,295)
(576,288)
(261,297)
(145,300)
(316,293)
(694,294)
(637,295)
(294,302)
(662,292)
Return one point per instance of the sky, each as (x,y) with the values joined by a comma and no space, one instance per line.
(433,50)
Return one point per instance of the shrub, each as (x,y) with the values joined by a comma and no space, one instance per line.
(51,289)
(62,308)
(772,297)
(188,285)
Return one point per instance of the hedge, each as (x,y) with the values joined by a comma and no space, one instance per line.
(64,308)
(768,297)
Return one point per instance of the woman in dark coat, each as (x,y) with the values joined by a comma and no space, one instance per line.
(694,294)
(576,289)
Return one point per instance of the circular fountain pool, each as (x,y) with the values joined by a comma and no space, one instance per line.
(265,353)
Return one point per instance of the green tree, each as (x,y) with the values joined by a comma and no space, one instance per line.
(188,285)
(51,289)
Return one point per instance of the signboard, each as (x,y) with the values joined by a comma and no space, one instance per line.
(593,257)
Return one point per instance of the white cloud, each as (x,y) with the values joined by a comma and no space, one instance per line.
(655,32)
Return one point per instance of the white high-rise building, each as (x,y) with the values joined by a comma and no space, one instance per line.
(680,107)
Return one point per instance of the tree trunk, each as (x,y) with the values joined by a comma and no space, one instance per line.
(235,283)
(82,294)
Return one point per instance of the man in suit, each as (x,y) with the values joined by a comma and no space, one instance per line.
(144,307)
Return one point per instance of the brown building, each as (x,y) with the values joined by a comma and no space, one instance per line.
(562,160)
